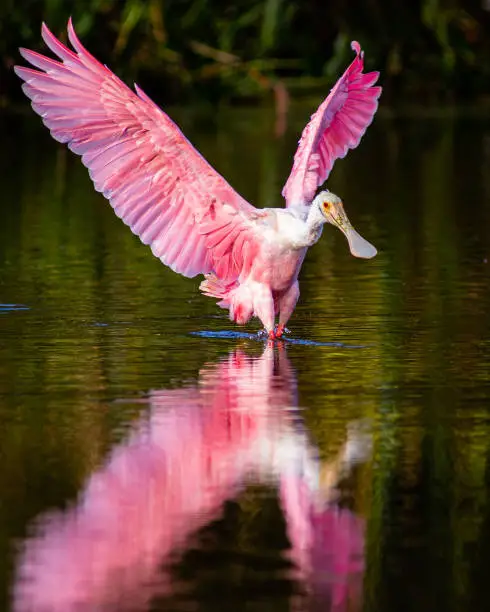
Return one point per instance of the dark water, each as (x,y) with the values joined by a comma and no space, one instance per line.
(154,459)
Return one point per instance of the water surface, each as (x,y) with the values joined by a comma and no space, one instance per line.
(153,459)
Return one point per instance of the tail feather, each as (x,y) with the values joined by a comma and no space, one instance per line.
(212,286)
(233,296)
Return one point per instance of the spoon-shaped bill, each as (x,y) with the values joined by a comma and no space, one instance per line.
(359,247)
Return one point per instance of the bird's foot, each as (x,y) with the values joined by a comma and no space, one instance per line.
(274,334)
(281,330)
(265,334)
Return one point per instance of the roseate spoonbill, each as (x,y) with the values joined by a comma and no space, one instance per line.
(171,198)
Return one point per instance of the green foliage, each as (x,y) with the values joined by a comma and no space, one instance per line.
(434,49)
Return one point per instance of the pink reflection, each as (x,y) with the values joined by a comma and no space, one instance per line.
(196,449)
(327,546)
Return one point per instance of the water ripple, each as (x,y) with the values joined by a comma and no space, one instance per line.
(13,307)
(235,335)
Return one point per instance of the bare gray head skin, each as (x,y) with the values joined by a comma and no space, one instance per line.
(333,211)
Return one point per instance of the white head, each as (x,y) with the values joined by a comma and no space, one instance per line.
(332,209)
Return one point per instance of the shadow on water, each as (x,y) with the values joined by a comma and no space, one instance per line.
(259,337)
(127,542)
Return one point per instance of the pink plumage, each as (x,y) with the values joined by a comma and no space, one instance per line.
(169,195)
(337,126)
(137,157)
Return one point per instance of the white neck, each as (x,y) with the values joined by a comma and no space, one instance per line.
(315,222)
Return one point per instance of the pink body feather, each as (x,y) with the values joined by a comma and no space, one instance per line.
(169,195)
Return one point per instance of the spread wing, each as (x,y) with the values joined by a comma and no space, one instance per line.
(337,126)
(155,180)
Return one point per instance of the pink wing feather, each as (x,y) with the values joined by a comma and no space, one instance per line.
(337,126)
(155,180)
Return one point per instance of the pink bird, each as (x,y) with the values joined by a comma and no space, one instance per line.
(170,197)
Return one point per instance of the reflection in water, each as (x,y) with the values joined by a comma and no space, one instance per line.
(198,447)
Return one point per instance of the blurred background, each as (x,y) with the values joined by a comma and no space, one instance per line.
(428,51)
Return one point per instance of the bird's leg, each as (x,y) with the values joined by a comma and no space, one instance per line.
(264,307)
(287,303)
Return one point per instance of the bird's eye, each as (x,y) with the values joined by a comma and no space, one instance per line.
(326,206)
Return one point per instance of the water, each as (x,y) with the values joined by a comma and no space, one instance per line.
(154,457)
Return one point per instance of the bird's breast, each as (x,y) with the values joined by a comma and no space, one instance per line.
(279,267)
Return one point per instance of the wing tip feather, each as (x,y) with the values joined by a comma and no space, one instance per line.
(356,47)
(45,31)
(73,37)
(18,71)
(24,52)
